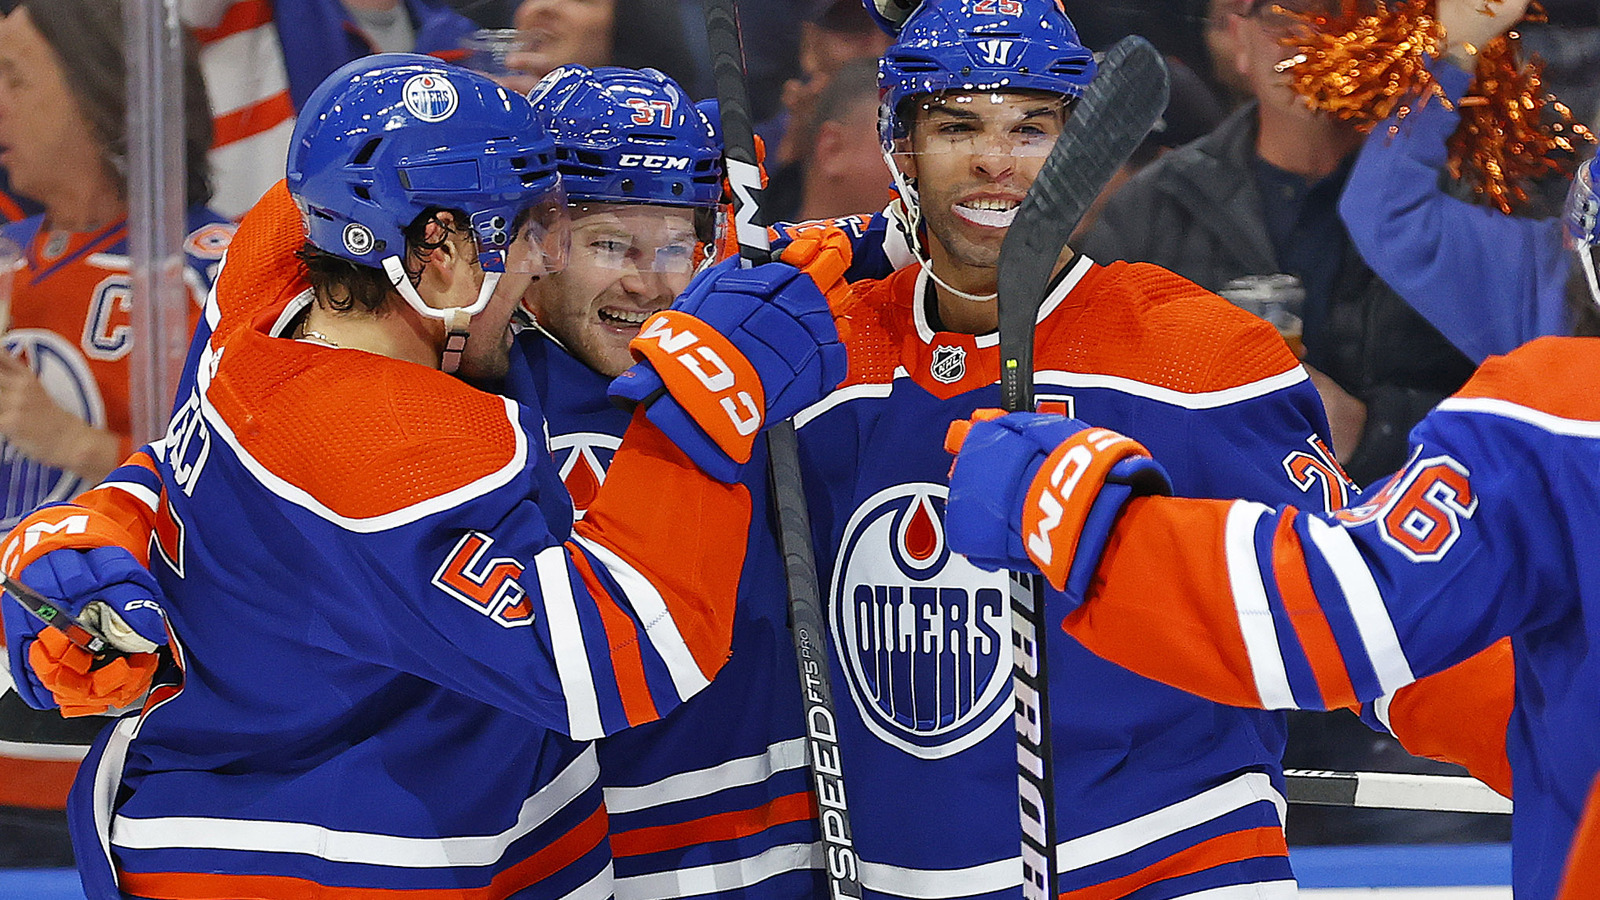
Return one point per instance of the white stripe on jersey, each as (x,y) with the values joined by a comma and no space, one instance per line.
(1250,602)
(362,848)
(147,498)
(1507,410)
(845,395)
(659,626)
(718,877)
(1109,843)
(939,884)
(780,757)
(43,752)
(566,640)
(1360,591)
(1180,399)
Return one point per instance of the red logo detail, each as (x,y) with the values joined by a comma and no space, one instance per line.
(487,585)
(921,533)
(582,481)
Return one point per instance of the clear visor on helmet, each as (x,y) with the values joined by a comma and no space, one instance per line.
(633,237)
(1004,123)
(535,241)
(1581,216)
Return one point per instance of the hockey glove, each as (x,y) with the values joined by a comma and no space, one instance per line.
(1035,492)
(107,589)
(739,350)
(824,252)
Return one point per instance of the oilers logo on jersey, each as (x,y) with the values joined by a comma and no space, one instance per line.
(920,630)
(66,377)
(582,459)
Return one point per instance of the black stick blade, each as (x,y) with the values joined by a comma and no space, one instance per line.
(1120,106)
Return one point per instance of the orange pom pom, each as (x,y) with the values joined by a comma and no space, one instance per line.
(1364,68)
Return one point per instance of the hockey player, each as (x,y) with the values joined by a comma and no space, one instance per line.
(387,652)
(1485,534)
(712,800)
(1155,787)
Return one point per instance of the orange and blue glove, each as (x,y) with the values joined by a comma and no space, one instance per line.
(739,350)
(108,589)
(1034,492)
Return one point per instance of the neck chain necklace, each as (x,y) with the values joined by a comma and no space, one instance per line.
(319,337)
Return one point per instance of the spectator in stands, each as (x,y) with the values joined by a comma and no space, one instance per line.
(258,74)
(832,34)
(1257,197)
(1489,282)
(632,33)
(64,373)
(846,173)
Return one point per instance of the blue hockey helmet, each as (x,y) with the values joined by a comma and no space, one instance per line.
(629,136)
(981,45)
(391,135)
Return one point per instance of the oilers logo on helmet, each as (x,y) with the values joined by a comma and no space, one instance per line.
(430,97)
(920,631)
(66,377)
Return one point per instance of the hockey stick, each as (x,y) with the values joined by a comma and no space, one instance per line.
(1121,104)
(788,493)
(1393,790)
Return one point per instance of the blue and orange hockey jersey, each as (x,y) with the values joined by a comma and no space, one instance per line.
(1153,785)
(1485,534)
(393,648)
(713,800)
(71,322)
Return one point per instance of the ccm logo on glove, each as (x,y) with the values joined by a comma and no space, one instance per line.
(1051,502)
(705,373)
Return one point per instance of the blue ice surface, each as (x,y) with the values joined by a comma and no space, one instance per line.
(1402,865)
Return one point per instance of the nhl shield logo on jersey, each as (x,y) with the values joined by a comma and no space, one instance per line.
(949,364)
(431,98)
(921,632)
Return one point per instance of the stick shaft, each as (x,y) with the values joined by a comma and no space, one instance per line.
(841,866)
(1392,790)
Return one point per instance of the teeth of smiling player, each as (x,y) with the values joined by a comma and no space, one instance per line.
(624,318)
(991,213)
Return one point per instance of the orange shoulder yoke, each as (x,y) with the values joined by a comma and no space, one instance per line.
(1144,323)
(872,319)
(261,271)
(1555,375)
(363,434)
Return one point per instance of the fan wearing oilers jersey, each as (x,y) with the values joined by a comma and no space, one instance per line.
(382,647)
(710,801)
(1157,792)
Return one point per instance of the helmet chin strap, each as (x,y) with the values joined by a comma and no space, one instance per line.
(457,320)
(910,215)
